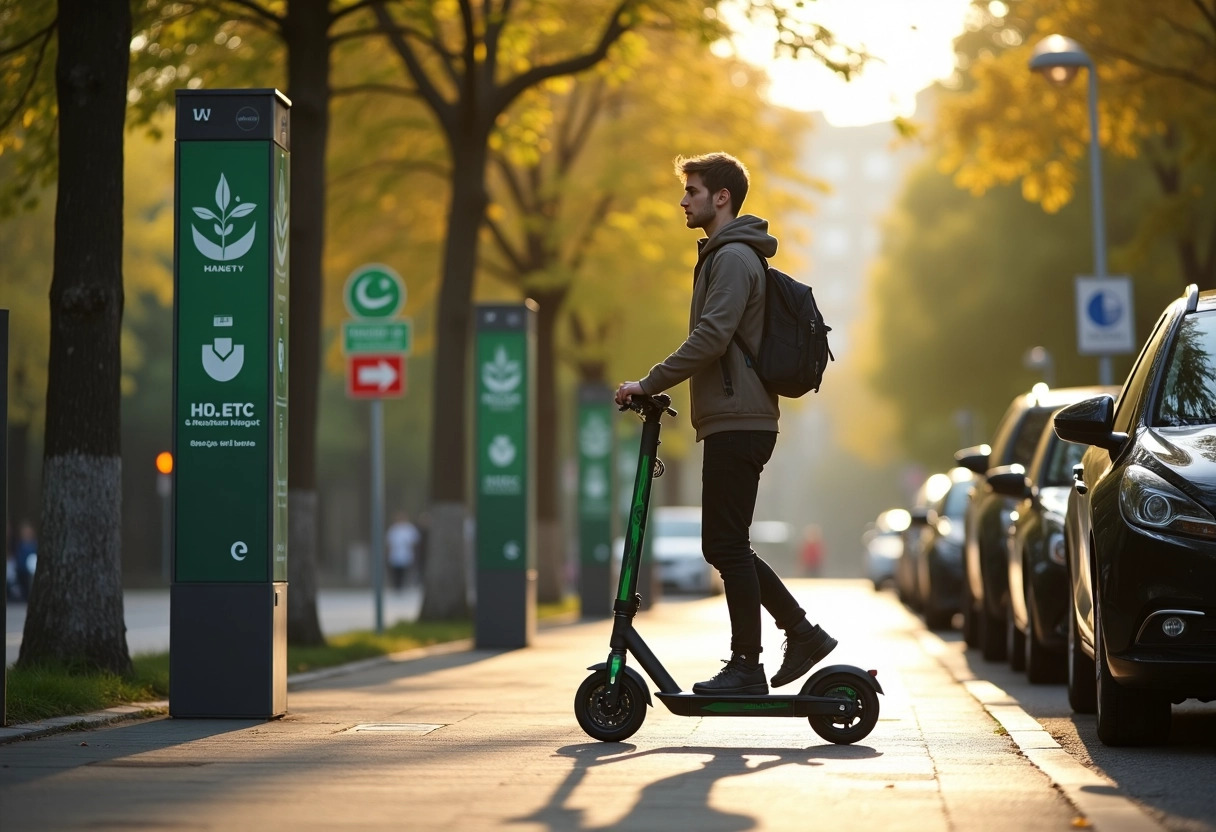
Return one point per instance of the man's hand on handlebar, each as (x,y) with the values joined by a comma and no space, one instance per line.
(626,392)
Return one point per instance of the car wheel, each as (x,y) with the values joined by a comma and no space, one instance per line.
(970,622)
(1126,717)
(1082,691)
(1042,664)
(992,634)
(938,618)
(1015,643)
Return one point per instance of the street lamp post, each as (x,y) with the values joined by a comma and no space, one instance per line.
(1059,58)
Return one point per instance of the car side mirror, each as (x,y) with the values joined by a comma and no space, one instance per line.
(1090,422)
(974,458)
(1010,480)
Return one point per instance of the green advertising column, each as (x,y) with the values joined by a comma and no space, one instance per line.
(506,507)
(228,601)
(596,412)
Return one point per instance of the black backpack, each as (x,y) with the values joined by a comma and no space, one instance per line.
(794,348)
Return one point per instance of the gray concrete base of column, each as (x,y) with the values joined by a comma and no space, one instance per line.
(506,608)
(596,591)
(228,650)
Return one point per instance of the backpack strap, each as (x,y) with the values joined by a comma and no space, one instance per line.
(728,386)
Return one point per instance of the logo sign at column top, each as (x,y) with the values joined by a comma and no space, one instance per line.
(374,291)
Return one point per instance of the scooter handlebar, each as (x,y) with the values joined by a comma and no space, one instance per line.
(641,403)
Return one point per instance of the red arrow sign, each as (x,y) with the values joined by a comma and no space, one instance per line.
(375,376)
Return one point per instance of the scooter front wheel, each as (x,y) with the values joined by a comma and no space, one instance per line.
(609,724)
(845,730)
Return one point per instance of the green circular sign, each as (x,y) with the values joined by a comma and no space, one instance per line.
(374,291)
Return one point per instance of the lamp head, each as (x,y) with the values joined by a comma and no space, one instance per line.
(1058,58)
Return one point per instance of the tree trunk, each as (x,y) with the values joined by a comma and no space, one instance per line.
(75,612)
(550,540)
(306,33)
(446,582)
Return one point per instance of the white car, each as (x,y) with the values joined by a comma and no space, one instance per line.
(673,534)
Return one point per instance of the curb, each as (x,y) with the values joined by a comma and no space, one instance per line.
(75,722)
(1096,798)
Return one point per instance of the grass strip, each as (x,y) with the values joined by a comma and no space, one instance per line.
(36,693)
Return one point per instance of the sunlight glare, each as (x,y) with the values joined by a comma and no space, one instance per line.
(912,42)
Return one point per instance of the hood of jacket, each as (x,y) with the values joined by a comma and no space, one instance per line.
(743,229)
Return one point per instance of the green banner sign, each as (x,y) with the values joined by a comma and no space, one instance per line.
(503,487)
(281,289)
(231,397)
(595,481)
(366,337)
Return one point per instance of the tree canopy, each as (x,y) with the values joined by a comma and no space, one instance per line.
(1156,90)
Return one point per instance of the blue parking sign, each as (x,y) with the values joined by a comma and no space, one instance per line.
(1105,320)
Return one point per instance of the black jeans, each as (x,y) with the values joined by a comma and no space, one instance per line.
(730,476)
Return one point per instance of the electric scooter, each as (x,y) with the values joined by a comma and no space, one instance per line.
(839,701)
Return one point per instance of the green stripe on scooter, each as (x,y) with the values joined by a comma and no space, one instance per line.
(734,707)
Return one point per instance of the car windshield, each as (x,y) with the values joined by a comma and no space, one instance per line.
(1028,435)
(677,528)
(1062,456)
(955,504)
(1189,394)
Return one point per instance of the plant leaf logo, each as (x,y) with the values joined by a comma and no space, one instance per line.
(596,437)
(502,375)
(595,483)
(224,251)
(501,451)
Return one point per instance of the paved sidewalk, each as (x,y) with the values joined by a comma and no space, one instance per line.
(468,739)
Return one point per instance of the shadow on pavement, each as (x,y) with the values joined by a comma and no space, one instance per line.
(117,746)
(391,669)
(690,790)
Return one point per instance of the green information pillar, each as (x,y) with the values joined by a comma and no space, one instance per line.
(595,440)
(228,601)
(504,370)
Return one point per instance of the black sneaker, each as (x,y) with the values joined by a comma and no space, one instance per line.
(736,679)
(801,654)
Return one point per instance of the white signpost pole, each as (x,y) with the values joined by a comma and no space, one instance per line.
(375,295)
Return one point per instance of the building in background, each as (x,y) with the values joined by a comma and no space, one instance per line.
(812,480)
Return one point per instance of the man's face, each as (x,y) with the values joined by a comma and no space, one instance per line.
(698,202)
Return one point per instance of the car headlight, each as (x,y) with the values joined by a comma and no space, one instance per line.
(1055,549)
(1149,501)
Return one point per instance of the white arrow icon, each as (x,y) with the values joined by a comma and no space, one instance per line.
(381,374)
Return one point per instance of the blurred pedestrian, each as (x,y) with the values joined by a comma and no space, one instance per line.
(402,539)
(25,558)
(736,418)
(811,556)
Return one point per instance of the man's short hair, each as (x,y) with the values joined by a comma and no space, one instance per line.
(718,171)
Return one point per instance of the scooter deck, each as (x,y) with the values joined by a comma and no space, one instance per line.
(692,704)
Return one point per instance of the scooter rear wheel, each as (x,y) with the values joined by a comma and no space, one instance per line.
(604,723)
(845,730)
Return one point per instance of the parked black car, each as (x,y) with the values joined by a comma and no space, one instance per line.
(986,525)
(1036,629)
(940,561)
(907,568)
(1140,533)
(883,544)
